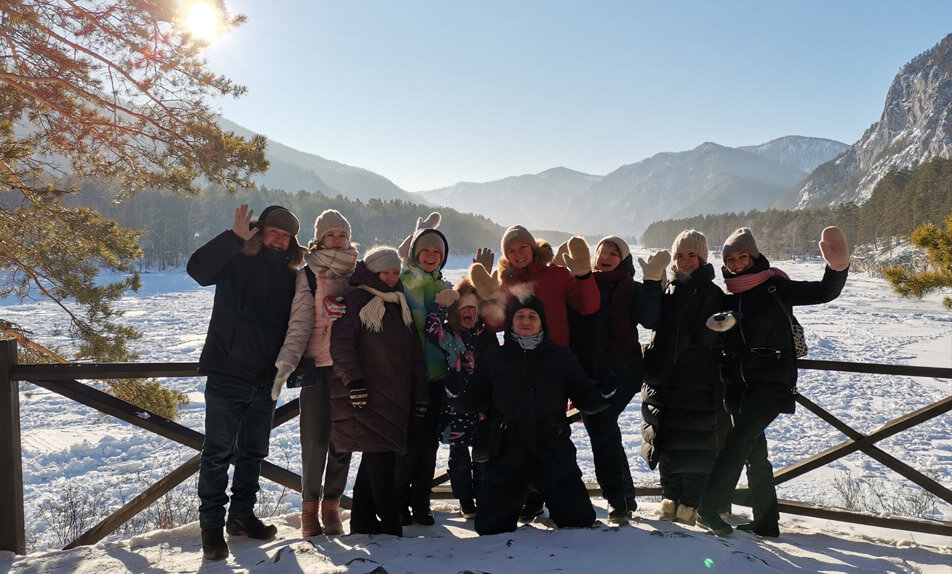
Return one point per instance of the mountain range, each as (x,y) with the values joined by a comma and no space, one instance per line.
(915,126)
(788,172)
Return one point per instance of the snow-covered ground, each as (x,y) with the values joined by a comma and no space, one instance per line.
(67,446)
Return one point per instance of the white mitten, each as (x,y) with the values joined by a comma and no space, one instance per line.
(284,371)
(721,322)
(487,286)
(432,221)
(834,249)
(578,257)
(654,268)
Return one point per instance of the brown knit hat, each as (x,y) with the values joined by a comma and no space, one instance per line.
(277,216)
(691,241)
(740,240)
(516,233)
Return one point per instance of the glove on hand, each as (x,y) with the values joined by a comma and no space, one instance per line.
(721,322)
(485,257)
(358,393)
(487,286)
(284,371)
(334,307)
(447,297)
(419,410)
(654,268)
(733,398)
(578,258)
(834,249)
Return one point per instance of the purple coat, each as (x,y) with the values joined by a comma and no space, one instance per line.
(390,362)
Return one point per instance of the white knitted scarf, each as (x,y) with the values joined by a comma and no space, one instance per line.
(372,313)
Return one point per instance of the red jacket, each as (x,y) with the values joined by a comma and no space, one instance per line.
(558,289)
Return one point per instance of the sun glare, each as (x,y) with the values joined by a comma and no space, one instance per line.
(202,22)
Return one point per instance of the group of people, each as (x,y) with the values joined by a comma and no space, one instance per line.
(392,360)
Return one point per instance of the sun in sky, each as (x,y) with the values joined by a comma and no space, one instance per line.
(202,20)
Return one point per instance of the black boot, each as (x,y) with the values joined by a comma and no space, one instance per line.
(213,544)
(251,527)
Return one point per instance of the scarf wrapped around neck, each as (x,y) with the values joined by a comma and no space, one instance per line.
(371,315)
(530,342)
(336,263)
(741,283)
(623,335)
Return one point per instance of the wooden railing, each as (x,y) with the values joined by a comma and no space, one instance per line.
(62,379)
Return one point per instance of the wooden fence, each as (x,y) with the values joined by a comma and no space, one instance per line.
(63,379)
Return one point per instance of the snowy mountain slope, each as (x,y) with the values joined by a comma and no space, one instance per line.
(915,126)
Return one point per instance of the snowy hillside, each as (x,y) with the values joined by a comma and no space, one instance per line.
(66,446)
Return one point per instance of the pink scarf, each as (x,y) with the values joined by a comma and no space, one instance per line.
(743,283)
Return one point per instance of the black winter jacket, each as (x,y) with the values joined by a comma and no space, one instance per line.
(254,288)
(680,398)
(759,352)
(526,392)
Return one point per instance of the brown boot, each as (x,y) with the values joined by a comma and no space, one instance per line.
(310,524)
(330,516)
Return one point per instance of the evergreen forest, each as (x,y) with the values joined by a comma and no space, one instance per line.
(903,201)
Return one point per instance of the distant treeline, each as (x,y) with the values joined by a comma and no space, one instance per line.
(175,226)
(902,201)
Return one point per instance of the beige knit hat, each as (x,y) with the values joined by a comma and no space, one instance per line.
(329,220)
(516,233)
(741,240)
(618,242)
(691,241)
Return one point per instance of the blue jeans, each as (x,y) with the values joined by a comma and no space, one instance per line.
(238,420)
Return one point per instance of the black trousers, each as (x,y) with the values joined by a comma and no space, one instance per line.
(374,507)
(746,444)
(415,469)
(611,461)
(551,468)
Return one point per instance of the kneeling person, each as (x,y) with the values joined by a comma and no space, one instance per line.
(523,387)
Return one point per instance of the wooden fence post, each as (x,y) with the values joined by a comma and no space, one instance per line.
(12,526)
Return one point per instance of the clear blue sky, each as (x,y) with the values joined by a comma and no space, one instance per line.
(429,93)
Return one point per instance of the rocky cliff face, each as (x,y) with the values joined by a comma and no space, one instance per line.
(916,126)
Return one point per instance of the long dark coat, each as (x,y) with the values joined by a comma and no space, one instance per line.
(390,362)
(680,396)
